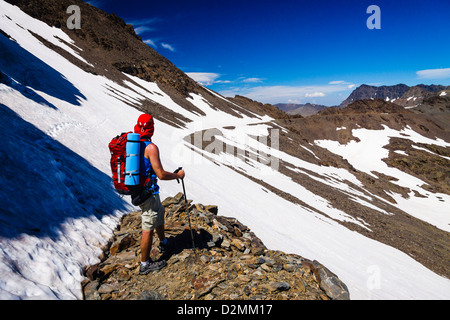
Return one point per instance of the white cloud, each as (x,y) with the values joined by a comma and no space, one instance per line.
(142,29)
(151,43)
(253,80)
(207,78)
(342,82)
(336,82)
(145,21)
(434,73)
(167,46)
(204,78)
(223,81)
(314,95)
(142,25)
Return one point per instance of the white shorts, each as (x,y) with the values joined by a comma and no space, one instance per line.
(152,213)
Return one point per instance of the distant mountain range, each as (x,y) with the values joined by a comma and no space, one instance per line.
(304,110)
(400,94)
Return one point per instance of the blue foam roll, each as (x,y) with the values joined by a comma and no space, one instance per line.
(132,162)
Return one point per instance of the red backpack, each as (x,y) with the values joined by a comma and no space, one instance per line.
(117,147)
(146,187)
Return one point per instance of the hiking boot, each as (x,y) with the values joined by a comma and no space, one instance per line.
(152,266)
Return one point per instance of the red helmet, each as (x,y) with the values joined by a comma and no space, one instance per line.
(145,126)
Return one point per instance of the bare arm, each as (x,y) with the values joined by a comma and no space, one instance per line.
(152,153)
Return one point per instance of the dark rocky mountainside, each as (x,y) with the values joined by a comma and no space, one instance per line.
(366,106)
(368,92)
(400,94)
(228,263)
(417,95)
(431,101)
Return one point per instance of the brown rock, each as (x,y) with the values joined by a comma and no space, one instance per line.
(93,272)
(204,285)
(212,209)
(276,286)
(228,262)
(122,243)
(238,244)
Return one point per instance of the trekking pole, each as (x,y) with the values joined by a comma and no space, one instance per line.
(187,209)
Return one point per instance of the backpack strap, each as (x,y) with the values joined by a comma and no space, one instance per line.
(150,179)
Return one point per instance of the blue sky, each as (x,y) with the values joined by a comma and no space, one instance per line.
(295,51)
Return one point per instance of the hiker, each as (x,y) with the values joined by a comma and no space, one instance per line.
(152,209)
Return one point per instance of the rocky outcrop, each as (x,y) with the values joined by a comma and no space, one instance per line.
(228,263)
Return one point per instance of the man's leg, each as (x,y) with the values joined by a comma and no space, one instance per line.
(150,212)
(146,244)
(160,232)
(148,225)
(160,221)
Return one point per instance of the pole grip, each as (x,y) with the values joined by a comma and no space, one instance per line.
(176,171)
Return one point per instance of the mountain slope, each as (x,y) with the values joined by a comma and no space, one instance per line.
(304,110)
(304,186)
(368,177)
(113,48)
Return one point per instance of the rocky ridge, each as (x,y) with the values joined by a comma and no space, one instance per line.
(228,263)
(383,92)
(400,94)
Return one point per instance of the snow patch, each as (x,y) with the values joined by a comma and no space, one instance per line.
(367,155)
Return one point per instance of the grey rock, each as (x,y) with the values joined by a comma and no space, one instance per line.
(332,285)
(150,295)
